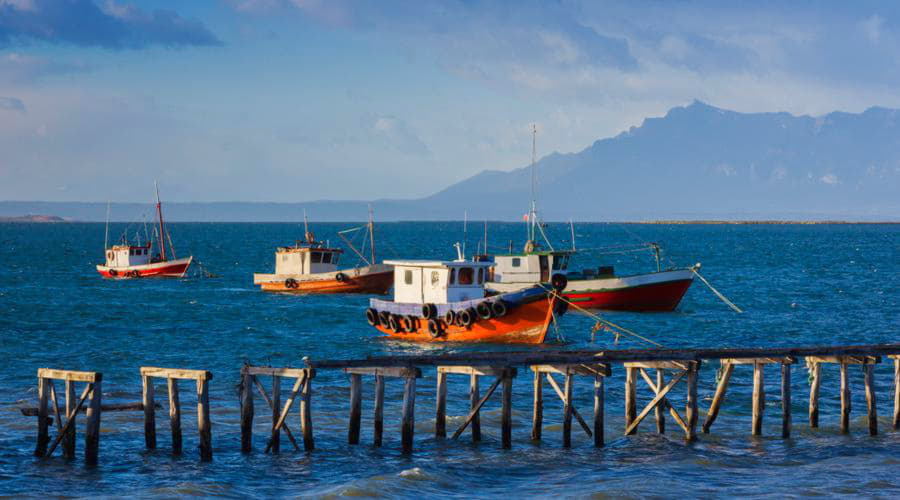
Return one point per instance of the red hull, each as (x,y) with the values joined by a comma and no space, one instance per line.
(375,283)
(174,270)
(656,297)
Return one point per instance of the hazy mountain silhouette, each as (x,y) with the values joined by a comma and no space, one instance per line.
(697,161)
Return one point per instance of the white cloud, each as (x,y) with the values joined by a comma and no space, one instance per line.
(871,28)
(829,179)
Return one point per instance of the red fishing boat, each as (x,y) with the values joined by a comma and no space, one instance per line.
(127,260)
(445,301)
(312,267)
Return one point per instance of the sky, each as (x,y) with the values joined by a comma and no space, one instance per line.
(301,100)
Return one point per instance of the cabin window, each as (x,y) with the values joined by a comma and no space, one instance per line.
(465,275)
(316,257)
(516,262)
(326,258)
(407,277)
(480,275)
(452,277)
(435,278)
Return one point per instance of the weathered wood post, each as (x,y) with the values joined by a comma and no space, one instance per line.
(896,392)
(174,415)
(691,405)
(275,437)
(537,416)
(68,443)
(567,412)
(474,397)
(630,395)
(379,409)
(845,399)
(149,413)
(872,411)
(719,397)
(43,437)
(785,400)
(306,412)
(759,395)
(204,426)
(92,422)
(660,414)
(599,404)
(408,423)
(815,373)
(355,408)
(440,417)
(246,412)
(506,410)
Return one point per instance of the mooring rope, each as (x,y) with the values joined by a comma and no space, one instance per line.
(601,320)
(718,294)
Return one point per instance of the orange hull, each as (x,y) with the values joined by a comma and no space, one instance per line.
(375,283)
(524,324)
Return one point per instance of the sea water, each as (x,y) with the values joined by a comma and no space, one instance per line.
(797,284)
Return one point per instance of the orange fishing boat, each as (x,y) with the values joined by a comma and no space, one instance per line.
(312,267)
(445,301)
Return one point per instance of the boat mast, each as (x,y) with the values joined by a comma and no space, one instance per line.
(465,230)
(533,214)
(162,233)
(572,228)
(372,233)
(106,236)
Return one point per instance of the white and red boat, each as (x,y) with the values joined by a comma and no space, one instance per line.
(596,288)
(312,267)
(127,260)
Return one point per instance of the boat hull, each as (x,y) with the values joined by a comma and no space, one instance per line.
(524,324)
(654,292)
(169,269)
(356,281)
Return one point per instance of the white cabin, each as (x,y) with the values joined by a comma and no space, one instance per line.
(438,282)
(530,268)
(127,255)
(306,260)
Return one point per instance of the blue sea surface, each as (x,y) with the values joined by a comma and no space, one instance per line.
(798,285)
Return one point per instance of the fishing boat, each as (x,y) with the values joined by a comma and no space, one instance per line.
(593,288)
(311,266)
(144,260)
(445,301)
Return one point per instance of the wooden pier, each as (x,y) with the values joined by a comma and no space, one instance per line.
(660,370)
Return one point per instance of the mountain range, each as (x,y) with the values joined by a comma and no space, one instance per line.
(696,162)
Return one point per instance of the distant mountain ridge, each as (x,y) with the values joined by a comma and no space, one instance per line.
(697,161)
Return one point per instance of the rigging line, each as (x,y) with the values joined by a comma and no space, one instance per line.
(607,322)
(718,294)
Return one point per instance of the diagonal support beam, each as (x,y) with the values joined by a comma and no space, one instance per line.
(70,422)
(477,407)
(562,396)
(268,401)
(660,395)
(287,409)
(672,411)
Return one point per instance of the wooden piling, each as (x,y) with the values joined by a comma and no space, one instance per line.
(785,400)
(43,437)
(474,397)
(246,413)
(868,378)
(719,397)
(275,436)
(599,404)
(896,392)
(174,415)
(68,443)
(440,417)
(506,410)
(537,414)
(660,414)
(204,426)
(759,395)
(630,399)
(149,413)
(815,373)
(567,412)
(92,423)
(408,422)
(845,400)
(379,410)
(691,405)
(306,413)
(355,408)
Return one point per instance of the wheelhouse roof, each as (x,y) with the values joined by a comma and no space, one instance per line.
(309,249)
(437,263)
(537,252)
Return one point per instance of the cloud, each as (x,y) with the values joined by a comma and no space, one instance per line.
(87,24)
(12,104)
(397,134)
(829,179)
(18,68)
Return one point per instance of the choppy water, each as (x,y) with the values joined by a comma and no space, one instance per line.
(799,285)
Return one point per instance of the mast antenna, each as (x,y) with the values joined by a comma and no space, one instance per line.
(162,232)
(372,232)
(465,230)
(533,215)
(106,236)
